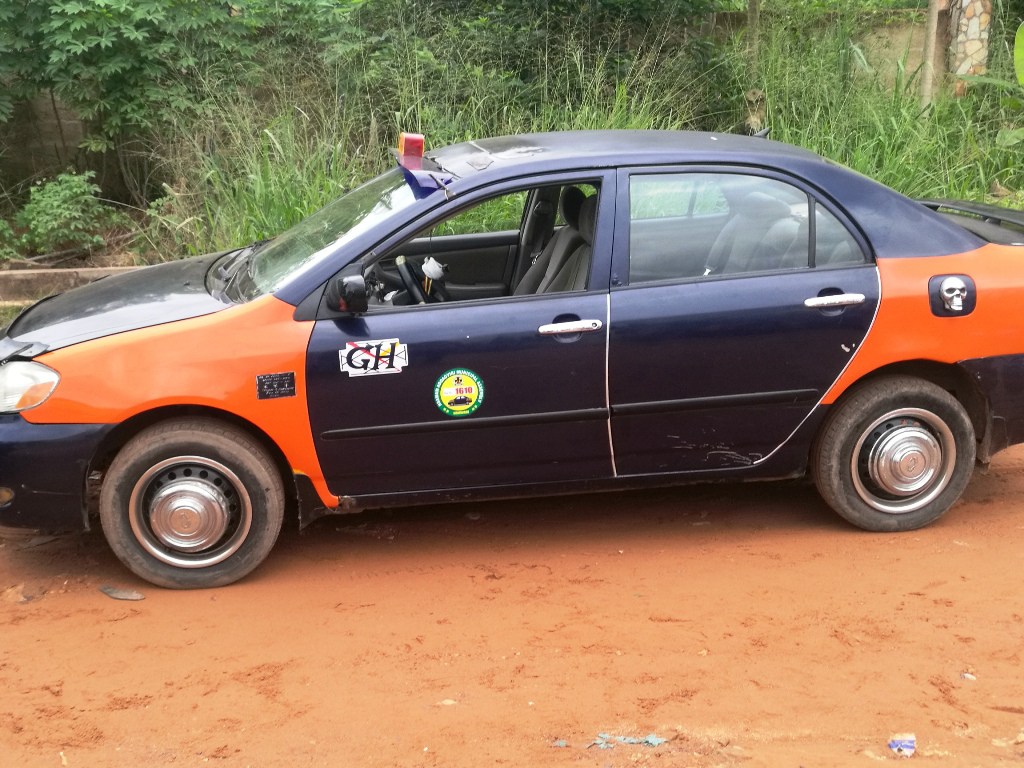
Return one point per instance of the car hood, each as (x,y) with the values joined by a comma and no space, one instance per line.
(145,297)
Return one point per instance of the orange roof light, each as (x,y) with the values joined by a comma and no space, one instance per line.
(410,150)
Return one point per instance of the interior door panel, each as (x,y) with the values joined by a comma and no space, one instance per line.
(486,259)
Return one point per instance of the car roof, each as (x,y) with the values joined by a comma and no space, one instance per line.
(596,149)
(893,224)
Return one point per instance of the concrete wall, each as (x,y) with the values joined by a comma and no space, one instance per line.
(902,41)
(40,138)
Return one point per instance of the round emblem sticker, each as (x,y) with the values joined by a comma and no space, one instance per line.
(458,392)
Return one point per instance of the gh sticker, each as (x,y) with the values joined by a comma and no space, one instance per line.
(373,358)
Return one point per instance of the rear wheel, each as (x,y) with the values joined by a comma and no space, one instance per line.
(192,503)
(895,455)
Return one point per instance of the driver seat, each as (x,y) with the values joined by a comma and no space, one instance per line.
(560,247)
(572,275)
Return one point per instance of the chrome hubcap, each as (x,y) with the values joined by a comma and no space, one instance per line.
(190,512)
(189,515)
(903,460)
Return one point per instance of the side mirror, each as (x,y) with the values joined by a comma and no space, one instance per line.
(347,294)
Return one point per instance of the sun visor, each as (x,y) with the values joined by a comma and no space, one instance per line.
(424,183)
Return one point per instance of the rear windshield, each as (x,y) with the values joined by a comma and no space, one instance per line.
(1003,226)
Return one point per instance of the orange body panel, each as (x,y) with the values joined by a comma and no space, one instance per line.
(906,329)
(207,361)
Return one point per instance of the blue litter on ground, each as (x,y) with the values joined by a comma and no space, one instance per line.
(903,744)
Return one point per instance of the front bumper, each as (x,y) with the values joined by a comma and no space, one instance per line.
(46,466)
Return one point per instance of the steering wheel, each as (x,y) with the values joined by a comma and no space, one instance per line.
(412,285)
(424,283)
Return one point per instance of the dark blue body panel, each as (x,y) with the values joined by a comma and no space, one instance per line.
(542,418)
(159,294)
(788,462)
(46,465)
(718,373)
(1001,379)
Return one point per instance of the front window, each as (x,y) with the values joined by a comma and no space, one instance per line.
(523,242)
(324,231)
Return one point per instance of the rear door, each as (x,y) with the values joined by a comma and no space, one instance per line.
(725,337)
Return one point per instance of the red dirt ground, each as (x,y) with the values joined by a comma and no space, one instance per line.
(747,625)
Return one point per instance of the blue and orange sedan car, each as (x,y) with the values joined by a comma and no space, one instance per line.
(535,314)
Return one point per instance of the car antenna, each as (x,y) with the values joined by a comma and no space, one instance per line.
(763,133)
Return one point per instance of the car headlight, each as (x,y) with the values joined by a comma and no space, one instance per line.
(25,385)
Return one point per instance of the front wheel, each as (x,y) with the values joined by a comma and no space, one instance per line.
(192,503)
(895,455)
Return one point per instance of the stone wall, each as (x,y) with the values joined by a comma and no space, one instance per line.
(969,24)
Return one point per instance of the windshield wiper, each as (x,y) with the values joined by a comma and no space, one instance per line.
(224,270)
(228,269)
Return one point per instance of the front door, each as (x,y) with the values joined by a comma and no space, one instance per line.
(479,393)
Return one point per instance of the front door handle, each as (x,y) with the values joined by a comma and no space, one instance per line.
(835,300)
(573,326)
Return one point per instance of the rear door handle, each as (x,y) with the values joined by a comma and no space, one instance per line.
(573,326)
(837,300)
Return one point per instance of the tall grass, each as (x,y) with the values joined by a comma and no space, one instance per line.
(264,158)
(257,163)
(260,161)
(822,94)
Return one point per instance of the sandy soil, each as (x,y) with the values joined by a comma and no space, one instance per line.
(746,625)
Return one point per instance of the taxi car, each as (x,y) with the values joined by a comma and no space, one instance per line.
(533,314)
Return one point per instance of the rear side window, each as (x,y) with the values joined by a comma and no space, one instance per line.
(682,195)
(700,225)
(833,243)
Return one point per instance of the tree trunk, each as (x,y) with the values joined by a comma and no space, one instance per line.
(754,35)
(930,43)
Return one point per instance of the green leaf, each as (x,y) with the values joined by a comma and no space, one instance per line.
(989,80)
(1010,137)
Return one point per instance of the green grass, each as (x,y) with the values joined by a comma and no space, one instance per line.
(262,161)
(259,161)
(827,6)
(7,314)
(821,94)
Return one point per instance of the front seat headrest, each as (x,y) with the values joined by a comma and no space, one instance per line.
(588,218)
(569,205)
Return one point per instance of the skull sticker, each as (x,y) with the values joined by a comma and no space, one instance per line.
(952,295)
(954,291)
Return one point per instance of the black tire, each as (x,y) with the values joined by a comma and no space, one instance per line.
(192,503)
(895,454)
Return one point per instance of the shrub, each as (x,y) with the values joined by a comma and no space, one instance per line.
(63,213)
(7,241)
